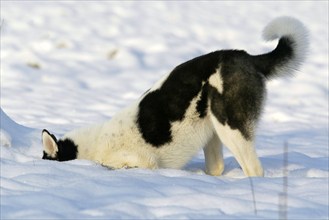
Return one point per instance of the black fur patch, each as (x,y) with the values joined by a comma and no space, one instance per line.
(202,104)
(243,89)
(169,103)
(153,123)
(217,105)
(67,150)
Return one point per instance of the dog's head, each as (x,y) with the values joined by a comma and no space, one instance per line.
(60,150)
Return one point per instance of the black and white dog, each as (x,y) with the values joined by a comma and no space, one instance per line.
(205,102)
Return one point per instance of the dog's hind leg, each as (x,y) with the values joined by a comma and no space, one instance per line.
(213,153)
(242,148)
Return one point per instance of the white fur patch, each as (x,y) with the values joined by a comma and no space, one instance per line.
(216,81)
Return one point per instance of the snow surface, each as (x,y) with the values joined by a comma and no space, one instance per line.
(67,64)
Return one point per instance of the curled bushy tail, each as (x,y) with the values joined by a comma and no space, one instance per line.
(290,51)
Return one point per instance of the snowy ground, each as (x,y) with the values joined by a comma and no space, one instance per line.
(67,64)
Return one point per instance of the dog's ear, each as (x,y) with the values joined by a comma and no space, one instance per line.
(50,147)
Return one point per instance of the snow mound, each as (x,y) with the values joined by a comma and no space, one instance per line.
(23,140)
(10,129)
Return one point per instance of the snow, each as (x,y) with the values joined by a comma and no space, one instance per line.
(66,64)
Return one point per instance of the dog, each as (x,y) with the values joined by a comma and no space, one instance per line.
(207,102)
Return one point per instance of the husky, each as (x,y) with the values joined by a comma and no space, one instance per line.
(207,102)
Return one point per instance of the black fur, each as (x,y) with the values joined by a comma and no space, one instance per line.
(202,104)
(243,92)
(267,63)
(153,123)
(67,150)
(169,103)
(217,106)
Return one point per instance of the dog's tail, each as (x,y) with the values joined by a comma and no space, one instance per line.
(290,51)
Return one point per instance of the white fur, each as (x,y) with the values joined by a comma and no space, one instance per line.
(216,81)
